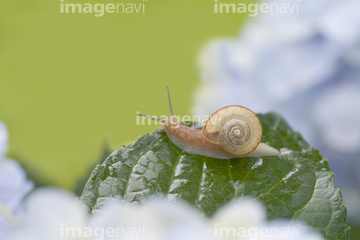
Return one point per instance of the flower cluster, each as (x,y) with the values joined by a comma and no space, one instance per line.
(13,187)
(51,214)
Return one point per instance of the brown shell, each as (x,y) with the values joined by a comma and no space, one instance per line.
(219,129)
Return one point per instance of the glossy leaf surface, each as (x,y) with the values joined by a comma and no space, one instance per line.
(297,184)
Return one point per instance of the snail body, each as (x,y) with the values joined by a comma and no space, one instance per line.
(230,132)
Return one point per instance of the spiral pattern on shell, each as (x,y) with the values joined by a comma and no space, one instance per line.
(235,128)
(235,132)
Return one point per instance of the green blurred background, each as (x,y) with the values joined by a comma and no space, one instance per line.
(68,82)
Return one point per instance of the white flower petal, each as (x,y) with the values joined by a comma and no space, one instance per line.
(282,229)
(48,212)
(244,213)
(13,185)
(156,220)
(4,136)
(6,229)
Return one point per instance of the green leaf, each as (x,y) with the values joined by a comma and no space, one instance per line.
(297,184)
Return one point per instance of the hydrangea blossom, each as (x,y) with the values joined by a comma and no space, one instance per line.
(52,214)
(302,65)
(13,187)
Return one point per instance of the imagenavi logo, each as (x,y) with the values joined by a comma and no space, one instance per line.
(100,9)
(253,9)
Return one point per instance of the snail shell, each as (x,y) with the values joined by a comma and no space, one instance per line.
(236,128)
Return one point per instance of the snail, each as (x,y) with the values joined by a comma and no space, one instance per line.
(230,132)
